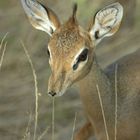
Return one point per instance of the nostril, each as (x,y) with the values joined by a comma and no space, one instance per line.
(52,93)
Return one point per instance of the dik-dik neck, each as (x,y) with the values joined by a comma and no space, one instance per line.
(89,94)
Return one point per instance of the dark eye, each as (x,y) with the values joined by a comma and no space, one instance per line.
(82,57)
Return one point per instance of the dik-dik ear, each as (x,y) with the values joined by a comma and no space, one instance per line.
(41,17)
(106,22)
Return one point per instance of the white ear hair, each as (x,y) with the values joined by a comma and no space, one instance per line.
(39,16)
(107,22)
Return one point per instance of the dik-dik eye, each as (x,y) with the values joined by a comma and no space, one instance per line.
(82,57)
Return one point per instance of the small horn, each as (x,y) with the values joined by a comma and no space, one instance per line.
(72,20)
(75,7)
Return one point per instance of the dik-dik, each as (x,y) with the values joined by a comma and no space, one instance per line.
(73,60)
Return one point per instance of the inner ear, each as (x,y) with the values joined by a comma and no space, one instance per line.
(106,22)
(53,17)
(41,17)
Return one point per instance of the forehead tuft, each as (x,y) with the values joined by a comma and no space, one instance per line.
(66,37)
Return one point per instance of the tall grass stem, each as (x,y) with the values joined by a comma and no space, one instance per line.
(36,89)
(53,117)
(74,126)
(2,56)
(103,113)
(116,100)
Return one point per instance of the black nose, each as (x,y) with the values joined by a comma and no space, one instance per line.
(52,93)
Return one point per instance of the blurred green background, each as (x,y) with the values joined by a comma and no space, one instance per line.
(17,99)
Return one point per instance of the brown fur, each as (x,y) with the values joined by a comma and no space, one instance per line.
(65,43)
(128,99)
(67,40)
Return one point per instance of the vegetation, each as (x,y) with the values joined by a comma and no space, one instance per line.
(19,103)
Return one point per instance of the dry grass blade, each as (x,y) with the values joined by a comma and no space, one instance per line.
(116,101)
(2,56)
(74,125)
(36,88)
(4,49)
(43,134)
(1,44)
(27,131)
(53,117)
(103,113)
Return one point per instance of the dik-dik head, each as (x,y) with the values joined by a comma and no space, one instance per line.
(71,48)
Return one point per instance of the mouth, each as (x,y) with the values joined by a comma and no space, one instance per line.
(62,92)
(58,94)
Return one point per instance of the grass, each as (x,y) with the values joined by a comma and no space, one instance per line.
(116,101)
(36,88)
(36,104)
(53,117)
(103,112)
(36,101)
(74,125)
(2,41)
(116,107)
(27,134)
(2,56)
(43,134)
(36,41)
(4,46)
